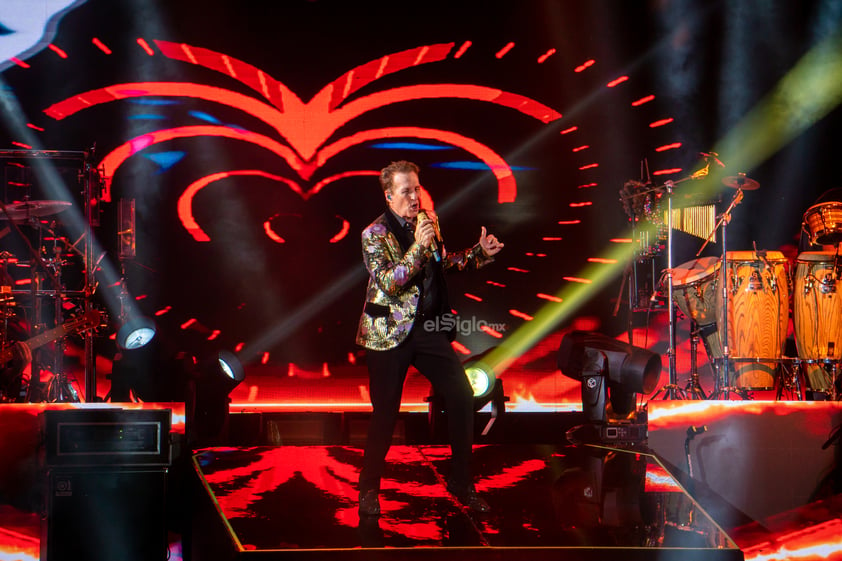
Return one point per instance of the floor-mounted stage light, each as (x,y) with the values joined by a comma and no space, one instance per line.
(486,387)
(215,377)
(136,332)
(612,374)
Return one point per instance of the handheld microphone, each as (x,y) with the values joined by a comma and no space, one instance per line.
(434,246)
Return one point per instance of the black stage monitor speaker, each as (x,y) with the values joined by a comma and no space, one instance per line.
(105,514)
(105,493)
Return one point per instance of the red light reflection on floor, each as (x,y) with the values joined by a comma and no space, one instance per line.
(819,542)
(658,480)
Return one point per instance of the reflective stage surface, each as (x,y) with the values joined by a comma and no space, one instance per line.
(591,502)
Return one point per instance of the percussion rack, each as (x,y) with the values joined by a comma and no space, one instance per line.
(672,390)
(90,179)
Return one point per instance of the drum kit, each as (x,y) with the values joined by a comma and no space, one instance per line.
(47,282)
(739,305)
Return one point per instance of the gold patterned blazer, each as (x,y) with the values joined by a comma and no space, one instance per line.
(392,295)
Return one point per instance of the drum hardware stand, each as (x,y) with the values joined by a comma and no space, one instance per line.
(791,379)
(694,388)
(64,392)
(672,390)
(726,352)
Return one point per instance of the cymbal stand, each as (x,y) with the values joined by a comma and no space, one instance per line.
(726,352)
(59,389)
(673,372)
(672,389)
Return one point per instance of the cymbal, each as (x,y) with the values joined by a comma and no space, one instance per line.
(736,181)
(26,209)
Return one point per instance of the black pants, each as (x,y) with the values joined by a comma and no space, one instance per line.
(430,352)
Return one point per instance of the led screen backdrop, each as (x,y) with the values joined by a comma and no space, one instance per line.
(250,134)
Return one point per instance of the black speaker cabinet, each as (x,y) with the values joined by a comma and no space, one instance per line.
(103,514)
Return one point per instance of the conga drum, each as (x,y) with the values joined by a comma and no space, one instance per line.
(817,315)
(694,291)
(758,313)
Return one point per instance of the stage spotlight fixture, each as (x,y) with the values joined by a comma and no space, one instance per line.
(226,365)
(136,333)
(481,378)
(215,376)
(487,389)
(612,374)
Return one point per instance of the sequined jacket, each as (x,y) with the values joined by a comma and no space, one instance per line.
(392,295)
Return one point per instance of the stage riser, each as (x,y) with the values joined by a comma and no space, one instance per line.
(350,428)
(762,457)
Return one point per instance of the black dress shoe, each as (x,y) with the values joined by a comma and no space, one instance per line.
(469,497)
(369,503)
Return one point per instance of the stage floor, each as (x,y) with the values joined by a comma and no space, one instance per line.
(547,500)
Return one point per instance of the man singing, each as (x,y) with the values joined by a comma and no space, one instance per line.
(405,259)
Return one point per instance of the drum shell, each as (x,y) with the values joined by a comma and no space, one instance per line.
(758,313)
(694,289)
(817,314)
(823,223)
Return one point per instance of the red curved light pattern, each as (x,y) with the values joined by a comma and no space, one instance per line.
(267,227)
(516,270)
(305,126)
(506,184)
(569,130)
(37,128)
(546,55)
(577,279)
(601,260)
(346,227)
(587,185)
(589,166)
(493,332)
(473,297)
(185,201)
(577,205)
(549,297)
(586,64)
(493,283)
(19,62)
(323,109)
(617,81)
